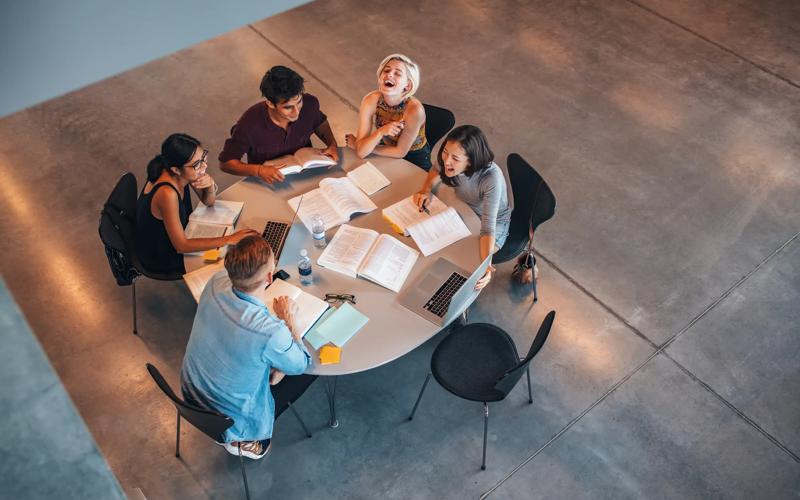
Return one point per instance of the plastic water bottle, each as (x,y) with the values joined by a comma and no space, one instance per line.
(318,231)
(304,268)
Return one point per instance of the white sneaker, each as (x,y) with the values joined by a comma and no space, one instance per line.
(251,449)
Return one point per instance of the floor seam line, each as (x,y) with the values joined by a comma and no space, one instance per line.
(729,291)
(572,422)
(659,350)
(717,44)
(596,299)
(305,69)
(733,408)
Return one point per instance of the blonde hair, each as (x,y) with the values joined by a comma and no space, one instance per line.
(245,259)
(412,71)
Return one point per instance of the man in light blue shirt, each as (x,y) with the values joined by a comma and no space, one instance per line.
(236,344)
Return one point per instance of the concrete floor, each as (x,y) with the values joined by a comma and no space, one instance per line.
(668,131)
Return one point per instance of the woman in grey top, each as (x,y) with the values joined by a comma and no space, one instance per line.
(466,163)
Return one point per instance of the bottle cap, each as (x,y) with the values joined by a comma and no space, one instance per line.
(304,253)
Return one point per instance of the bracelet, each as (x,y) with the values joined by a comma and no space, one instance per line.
(216,188)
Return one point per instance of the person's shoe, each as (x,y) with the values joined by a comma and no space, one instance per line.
(250,449)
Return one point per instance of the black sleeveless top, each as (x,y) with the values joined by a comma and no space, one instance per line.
(155,251)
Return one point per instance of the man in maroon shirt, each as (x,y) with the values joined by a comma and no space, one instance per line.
(276,127)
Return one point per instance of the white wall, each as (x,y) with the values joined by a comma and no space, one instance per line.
(50,47)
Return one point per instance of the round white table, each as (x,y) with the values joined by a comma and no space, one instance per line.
(392,330)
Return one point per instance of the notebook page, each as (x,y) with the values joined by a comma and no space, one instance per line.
(389,262)
(309,308)
(368,178)
(439,231)
(405,213)
(347,249)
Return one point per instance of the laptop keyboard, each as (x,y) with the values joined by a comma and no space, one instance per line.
(275,233)
(440,302)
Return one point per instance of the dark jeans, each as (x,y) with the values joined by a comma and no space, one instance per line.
(421,157)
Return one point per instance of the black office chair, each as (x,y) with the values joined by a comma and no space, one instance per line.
(288,391)
(534,203)
(117,230)
(479,362)
(210,423)
(438,122)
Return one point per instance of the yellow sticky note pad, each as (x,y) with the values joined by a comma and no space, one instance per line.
(330,354)
(212,255)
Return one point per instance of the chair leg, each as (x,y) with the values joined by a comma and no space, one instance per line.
(485,432)
(424,385)
(530,395)
(331,393)
(244,475)
(291,407)
(133,289)
(178,437)
(534,280)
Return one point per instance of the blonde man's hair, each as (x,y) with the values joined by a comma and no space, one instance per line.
(245,259)
(412,71)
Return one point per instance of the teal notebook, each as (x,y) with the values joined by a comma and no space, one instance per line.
(336,326)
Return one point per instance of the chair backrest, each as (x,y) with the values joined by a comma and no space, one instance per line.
(534,202)
(210,423)
(438,122)
(117,229)
(509,379)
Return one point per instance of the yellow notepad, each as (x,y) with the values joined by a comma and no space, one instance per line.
(330,355)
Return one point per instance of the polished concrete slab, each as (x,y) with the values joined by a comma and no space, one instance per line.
(747,348)
(675,165)
(661,435)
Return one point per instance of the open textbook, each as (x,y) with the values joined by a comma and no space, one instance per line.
(309,308)
(302,159)
(335,200)
(377,257)
(368,178)
(431,232)
(197,229)
(222,212)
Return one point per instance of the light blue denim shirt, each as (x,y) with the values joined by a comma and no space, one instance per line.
(234,343)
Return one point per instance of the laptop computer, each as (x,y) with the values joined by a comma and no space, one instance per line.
(276,232)
(442,291)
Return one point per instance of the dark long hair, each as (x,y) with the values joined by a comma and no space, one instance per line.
(476,147)
(176,150)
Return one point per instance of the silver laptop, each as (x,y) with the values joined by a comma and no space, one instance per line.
(442,292)
(276,232)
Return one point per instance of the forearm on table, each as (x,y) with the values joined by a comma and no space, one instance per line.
(486,245)
(238,167)
(368,144)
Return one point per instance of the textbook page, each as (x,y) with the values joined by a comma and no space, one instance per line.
(315,202)
(439,231)
(197,279)
(221,212)
(302,159)
(347,249)
(368,178)
(195,229)
(405,213)
(309,308)
(389,262)
(346,197)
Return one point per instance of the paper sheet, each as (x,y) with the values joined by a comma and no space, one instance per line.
(405,213)
(197,279)
(309,308)
(439,231)
(368,178)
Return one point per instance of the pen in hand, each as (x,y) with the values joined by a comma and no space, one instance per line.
(425,207)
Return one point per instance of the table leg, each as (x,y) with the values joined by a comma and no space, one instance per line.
(330,391)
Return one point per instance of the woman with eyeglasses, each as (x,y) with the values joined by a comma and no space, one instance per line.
(164,205)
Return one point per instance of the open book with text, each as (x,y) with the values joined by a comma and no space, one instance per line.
(380,258)
(431,232)
(302,159)
(197,229)
(196,280)
(335,200)
(222,212)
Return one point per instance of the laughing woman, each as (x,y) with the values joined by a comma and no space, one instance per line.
(397,116)
(466,163)
(164,205)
